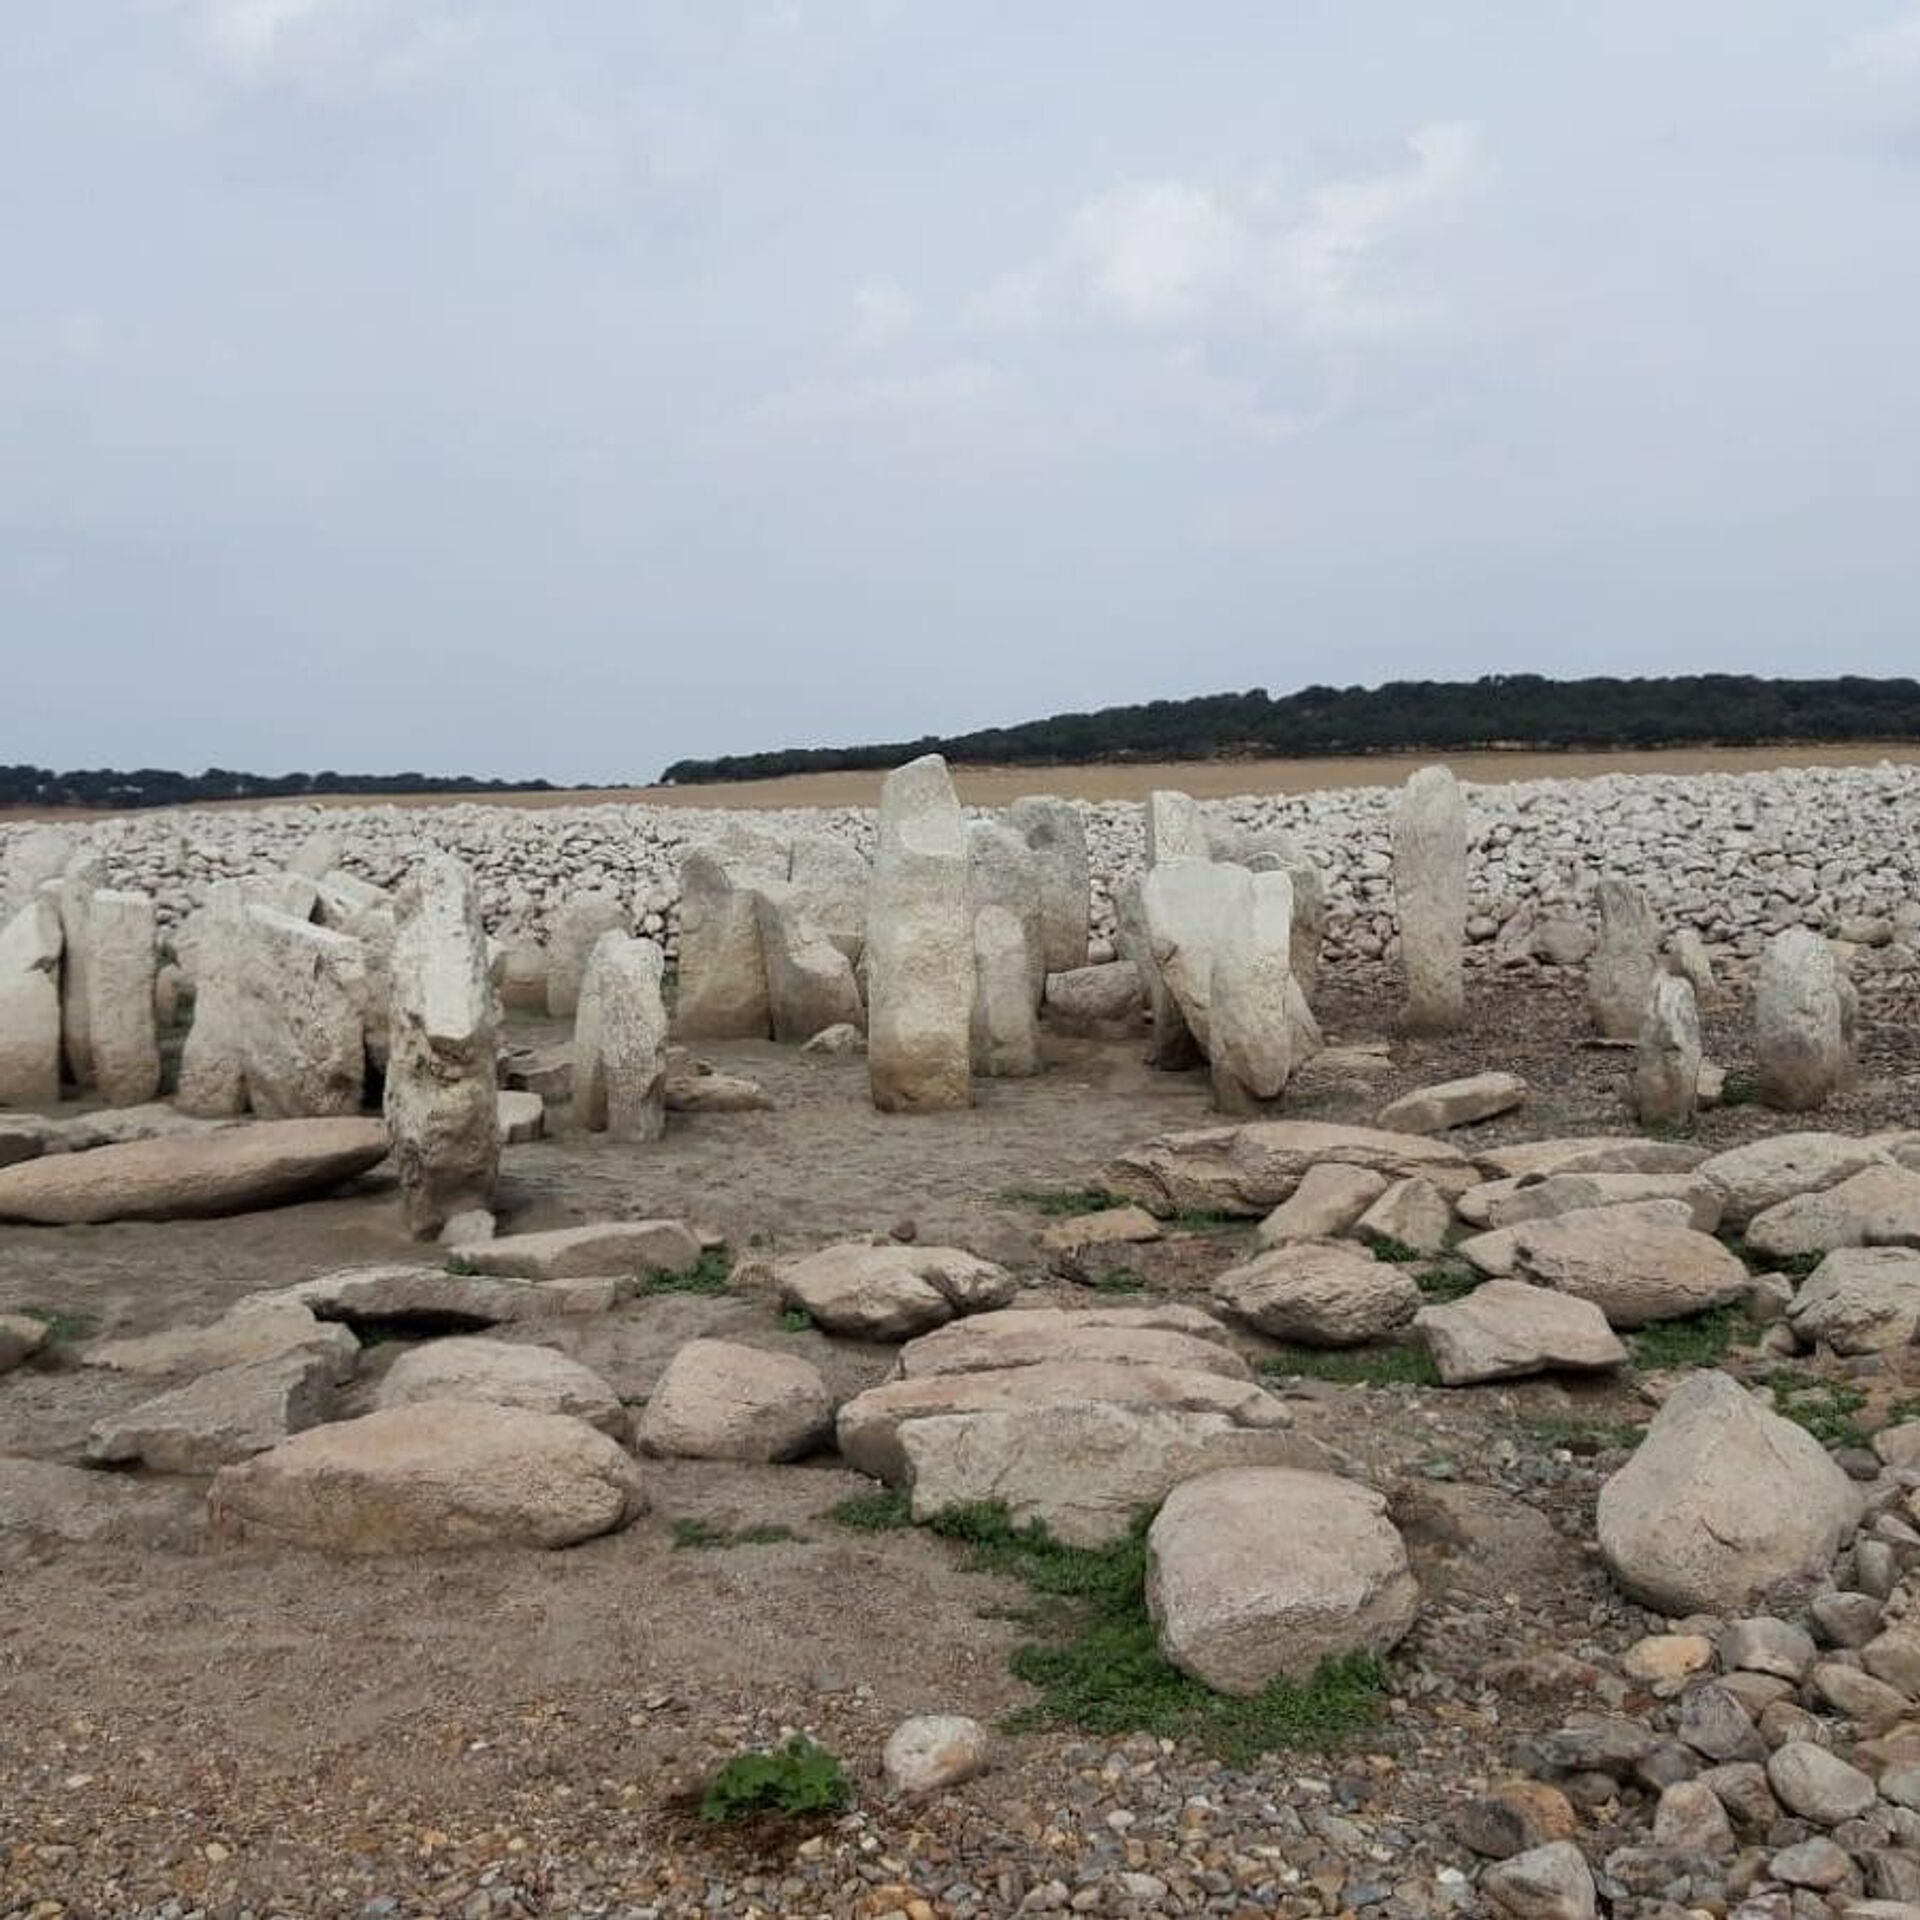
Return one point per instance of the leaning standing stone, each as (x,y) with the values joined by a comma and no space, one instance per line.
(302,1021)
(1430,891)
(1800,1023)
(920,946)
(441,1098)
(30,1006)
(1251,1024)
(1620,975)
(126,1050)
(1666,1067)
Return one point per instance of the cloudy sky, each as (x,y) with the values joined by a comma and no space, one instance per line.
(516,387)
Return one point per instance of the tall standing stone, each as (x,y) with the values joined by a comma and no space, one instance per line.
(1801,1022)
(1625,959)
(1006,1034)
(1666,1066)
(1252,995)
(830,880)
(442,1103)
(1173,1048)
(30,1005)
(620,1042)
(213,1059)
(920,968)
(120,1017)
(1430,892)
(303,1036)
(1186,905)
(1002,872)
(31,859)
(1270,850)
(1057,835)
(85,875)
(582,919)
(723,968)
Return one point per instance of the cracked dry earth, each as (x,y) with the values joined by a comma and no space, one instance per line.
(190,1728)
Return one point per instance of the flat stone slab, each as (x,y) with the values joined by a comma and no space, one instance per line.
(891,1292)
(195,1176)
(1170,1336)
(721,1400)
(621,1247)
(1637,1263)
(1591,1153)
(1112,1226)
(1454,1103)
(1763,1173)
(499,1373)
(1320,1293)
(44,1499)
(440,1301)
(261,1328)
(1877,1207)
(1506,1329)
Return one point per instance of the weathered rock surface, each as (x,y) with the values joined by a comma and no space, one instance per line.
(30,945)
(1169,1336)
(1800,1023)
(303,994)
(1724,1505)
(620,1041)
(1513,1203)
(1625,960)
(719,1400)
(500,1373)
(433,1300)
(229,1414)
(213,1058)
(891,1292)
(1860,1300)
(627,1248)
(1454,1103)
(230,1170)
(1326,1205)
(810,978)
(21,1337)
(1667,1056)
(1057,836)
(723,975)
(40,1498)
(437,1475)
(261,1328)
(1637,1263)
(1410,1214)
(1251,995)
(1763,1173)
(1322,1295)
(579,926)
(1106,1000)
(1506,1329)
(1005,1030)
(1259,1573)
(83,876)
(1875,1208)
(935,1750)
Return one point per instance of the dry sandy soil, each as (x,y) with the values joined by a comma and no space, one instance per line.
(260,1732)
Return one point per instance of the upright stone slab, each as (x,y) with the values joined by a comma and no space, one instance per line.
(1002,872)
(213,1062)
(1252,990)
(830,879)
(723,970)
(620,1041)
(303,1036)
(30,860)
(85,875)
(1006,1032)
(1176,829)
(1173,1048)
(1430,891)
(120,1021)
(1057,837)
(442,1103)
(1800,1021)
(30,1005)
(1187,905)
(1269,850)
(810,979)
(577,927)
(920,969)
(1666,1066)
(1621,972)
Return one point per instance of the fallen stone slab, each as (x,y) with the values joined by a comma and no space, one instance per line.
(40,1498)
(1327,1204)
(1637,1263)
(1592,1153)
(1495,1253)
(1411,1214)
(891,1292)
(21,1337)
(1106,1000)
(1505,1330)
(1111,1227)
(1250,1169)
(522,1116)
(1763,1173)
(1860,1300)
(438,1475)
(1169,1336)
(24,1136)
(227,1415)
(436,1301)
(720,1400)
(1877,1207)
(1454,1103)
(620,1247)
(1510,1203)
(1320,1294)
(260,1328)
(693,1086)
(1083,1469)
(229,1170)
(1263,1573)
(868,1426)
(498,1373)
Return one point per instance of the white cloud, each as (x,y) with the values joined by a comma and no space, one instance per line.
(956,390)
(1892,52)
(1160,252)
(247,34)
(882,314)
(378,43)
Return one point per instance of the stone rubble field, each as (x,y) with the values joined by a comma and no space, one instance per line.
(1355,1356)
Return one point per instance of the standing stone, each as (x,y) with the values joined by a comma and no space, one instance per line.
(1269,850)
(1002,872)
(723,969)
(30,1005)
(303,1035)
(830,879)
(1187,905)
(582,919)
(1252,1025)
(1175,828)
(1800,1022)
(213,1064)
(441,1098)
(1687,956)
(1620,974)
(620,1041)
(1173,1048)
(1666,1067)
(1057,835)
(1430,893)
(31,859)
(85,875)
(809,977)
(120,1019)
(1006,1032)
(920,946)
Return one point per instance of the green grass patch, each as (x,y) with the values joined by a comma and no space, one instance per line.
(461,1264)
(1112,1280)
(798,1779)
(1383,1246)
(1583,1433)
(1448,1280)
(1741,1090)
(1700,1340)
(885,1510)
(708,1274)
(1406,1363)
(1669,1129)
(1907,1407)
(796,1320)
(1824,1407)
(1099,1669)
(703,1533)
(1059,1203)
(1206,1220)
(63,1328)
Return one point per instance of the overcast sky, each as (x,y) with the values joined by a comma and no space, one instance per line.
(564,386)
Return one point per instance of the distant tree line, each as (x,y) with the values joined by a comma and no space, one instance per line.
(157,787)
(1429,716)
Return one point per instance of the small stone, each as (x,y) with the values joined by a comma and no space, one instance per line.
(1690,1819)
(1818,1786)
(1515,1817)
(935,1750)
(1552,1882)
(1766,1645)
